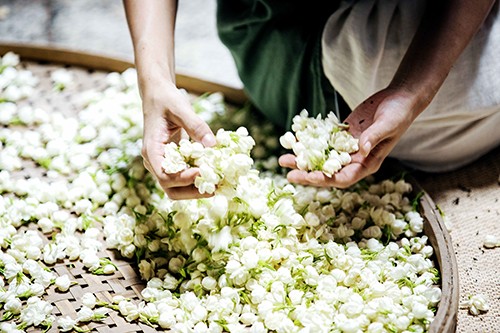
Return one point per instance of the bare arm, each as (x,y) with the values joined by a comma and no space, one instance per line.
(168,115)
(446,29)
(152,24)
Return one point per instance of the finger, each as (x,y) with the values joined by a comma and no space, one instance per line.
(349,175)
(372,136)
(185,192)
(195,127)
(315,178)
(346,177)
(183,178)
(179,179)
(147,165)
(288,161)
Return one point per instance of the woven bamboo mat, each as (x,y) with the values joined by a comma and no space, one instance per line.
(126,280)
(470,197)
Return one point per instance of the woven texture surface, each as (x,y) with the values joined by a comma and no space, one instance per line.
(126,280)
(470,197)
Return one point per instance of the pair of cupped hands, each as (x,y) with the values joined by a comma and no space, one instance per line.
(378,122)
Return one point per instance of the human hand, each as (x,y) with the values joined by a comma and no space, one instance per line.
(168,117)
(378,122)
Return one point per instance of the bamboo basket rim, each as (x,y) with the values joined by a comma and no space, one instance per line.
(445,319)
(95,61)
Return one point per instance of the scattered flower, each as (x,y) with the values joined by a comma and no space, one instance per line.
(63,283)
(476,304)
(61,78)
(491,241)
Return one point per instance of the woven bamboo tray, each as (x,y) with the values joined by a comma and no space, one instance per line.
(89,72)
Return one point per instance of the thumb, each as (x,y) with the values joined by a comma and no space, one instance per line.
(197,129)
(371,137)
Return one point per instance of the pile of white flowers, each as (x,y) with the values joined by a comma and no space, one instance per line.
(219,115)
(320,144)
(264,256)
(15,83)
(220,166)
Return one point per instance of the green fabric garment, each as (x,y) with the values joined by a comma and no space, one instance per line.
(276,45)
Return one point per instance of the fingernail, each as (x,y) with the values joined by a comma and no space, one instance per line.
(366,149)
(208,140)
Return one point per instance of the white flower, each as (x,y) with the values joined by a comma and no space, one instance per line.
(166,319)
(85,314)
(13,305)
(174,161)
(66,323)
(129,310)
(10,59)
(109,269)
(11,270)
(420,311)
(477,303)
(209,283)
(89,300)
(61,78)
(7,112)
(220,240)
(46,225)
(416,222)
(491,241)
(248,318)
(63,283)
(90,259)
(35,311)
(288,140)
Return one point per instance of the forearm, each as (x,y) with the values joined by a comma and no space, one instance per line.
(152,24)
(446,29)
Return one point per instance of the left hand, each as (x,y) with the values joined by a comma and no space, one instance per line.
(378,122)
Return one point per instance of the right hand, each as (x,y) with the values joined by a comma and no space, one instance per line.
(168,117)
(378,122)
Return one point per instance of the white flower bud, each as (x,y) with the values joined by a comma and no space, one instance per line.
(66,323)
(491,241)
(89,300)
(63,283)
(477,303)
(85,314)
(209,283)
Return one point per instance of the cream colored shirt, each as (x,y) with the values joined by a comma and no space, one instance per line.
(363,44)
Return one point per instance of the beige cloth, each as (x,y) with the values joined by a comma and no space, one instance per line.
(363,44)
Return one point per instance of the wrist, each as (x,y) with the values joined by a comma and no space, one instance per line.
(152,82)
(415,97)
